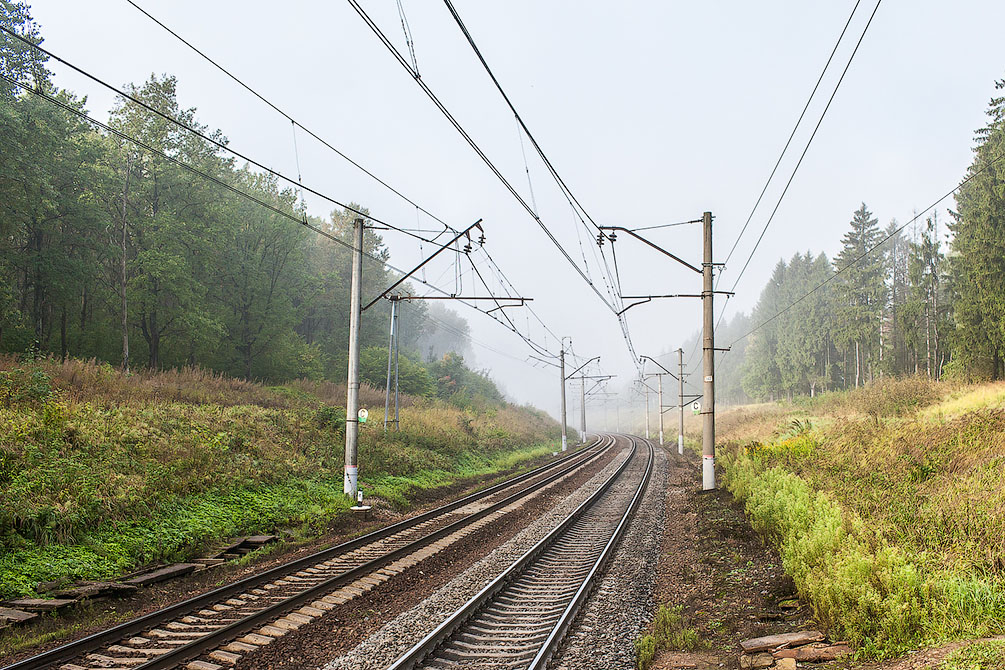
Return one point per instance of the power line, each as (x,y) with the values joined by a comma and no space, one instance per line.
(868,251)
(794,129)
(474,145)
(563,187)
(802,155)
(287,116)
(296,123)
(808,143)
(207,138)
(554,173)
(229,187)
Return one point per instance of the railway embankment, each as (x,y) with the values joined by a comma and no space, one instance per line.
(886,507)
(104,471)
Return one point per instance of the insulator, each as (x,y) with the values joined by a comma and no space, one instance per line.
(467,248)
(481,240)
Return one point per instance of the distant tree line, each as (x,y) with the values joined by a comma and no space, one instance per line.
(110,251)
(930,300)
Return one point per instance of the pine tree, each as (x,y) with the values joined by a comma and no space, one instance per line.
(860,294)
(977,265)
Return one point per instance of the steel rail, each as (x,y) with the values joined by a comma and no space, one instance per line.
(129,628)
(444,630)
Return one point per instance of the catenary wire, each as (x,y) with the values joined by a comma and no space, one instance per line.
(474,145)
(285,115)
(207,138)
(229,187)
(808,143)
(794,129)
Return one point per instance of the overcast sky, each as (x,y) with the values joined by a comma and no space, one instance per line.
(653,112)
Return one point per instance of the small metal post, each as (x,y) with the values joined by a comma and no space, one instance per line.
(647,410)
(680,402)
(397,349)
(561,367)
(708,361)
(390,348)
(582,407)
(659,388)
(349,483)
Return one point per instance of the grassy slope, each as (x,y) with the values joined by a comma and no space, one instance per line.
(101,472)
(887,504)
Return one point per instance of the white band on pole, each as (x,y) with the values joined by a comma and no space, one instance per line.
(351,478)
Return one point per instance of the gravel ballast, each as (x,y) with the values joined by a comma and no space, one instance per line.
(623,603)
(398,635)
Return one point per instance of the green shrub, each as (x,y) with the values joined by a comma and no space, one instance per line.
(980,655)
(645,651)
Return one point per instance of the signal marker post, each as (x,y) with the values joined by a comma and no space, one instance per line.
(708,360)
(680,402)
(350,481)
(561,365)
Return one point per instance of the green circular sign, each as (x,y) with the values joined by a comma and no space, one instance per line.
(362,415)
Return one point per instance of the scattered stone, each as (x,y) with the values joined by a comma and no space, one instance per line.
(40,604)
(815,653)
(755,661)
(781,641)
(786,664)
(162,574)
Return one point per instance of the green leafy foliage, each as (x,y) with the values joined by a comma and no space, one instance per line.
(669,630)
(103,471)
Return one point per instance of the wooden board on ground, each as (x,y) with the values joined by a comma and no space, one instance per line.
(82,590)
(161,574)
(8,615)
(781,641)
(40,604)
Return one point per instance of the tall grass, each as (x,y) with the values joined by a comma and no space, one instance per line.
(890,519)
(101,471)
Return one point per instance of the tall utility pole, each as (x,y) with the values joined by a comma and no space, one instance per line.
(390,352)
(708,360)
(680,402)
(582,408)
(659,380)
(397,349)
(561,365)
(349,483)
(647,412)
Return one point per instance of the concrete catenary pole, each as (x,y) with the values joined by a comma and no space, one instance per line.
(659,389)
(708,361)
(582,407)
(397,349)
(561,367)
(349,483)
(390,350)
(680,401)
(647,410)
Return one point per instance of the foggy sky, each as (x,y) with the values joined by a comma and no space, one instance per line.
(653,112)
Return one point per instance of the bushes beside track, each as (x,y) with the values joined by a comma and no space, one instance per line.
(101,472)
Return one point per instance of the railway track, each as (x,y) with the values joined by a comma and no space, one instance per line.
(519,619)
(216,629)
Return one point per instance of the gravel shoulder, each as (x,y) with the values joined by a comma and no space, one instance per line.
(623,602)
(399,634)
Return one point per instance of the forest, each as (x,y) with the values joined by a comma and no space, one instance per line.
(111,249)
(922,298)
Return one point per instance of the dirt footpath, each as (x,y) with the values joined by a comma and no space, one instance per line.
(728,583)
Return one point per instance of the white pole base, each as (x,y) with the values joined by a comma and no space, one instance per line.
(708,473)
(680,445)
(565,443)
(349,483)
(661,438)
